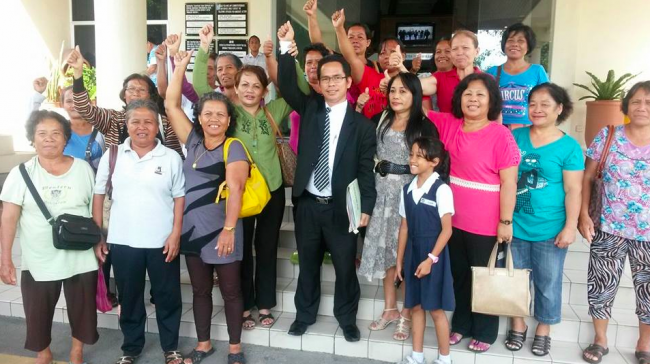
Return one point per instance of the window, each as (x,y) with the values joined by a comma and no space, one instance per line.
(83,25)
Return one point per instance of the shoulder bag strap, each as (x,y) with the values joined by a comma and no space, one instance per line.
(112,160)
(603,156)
(89,146)
(35,195)
(499,75)
(276,130)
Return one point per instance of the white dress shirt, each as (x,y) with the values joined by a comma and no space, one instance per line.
(259,60)
(337,115)
(444,198)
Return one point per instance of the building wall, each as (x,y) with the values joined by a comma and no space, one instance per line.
(596,36)
(35,29)
(260,16)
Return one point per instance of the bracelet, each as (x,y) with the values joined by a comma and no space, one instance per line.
(229,228)
(505,222)
(433,258)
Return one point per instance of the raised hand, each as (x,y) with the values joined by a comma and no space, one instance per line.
(267,48)
(206,34)
(417,62)
(362,99)
(161,53)
(310,7)
(286,33)
(76,61)
(173,43)
(40,84)
(293,50)
(338,18)
(383,85)
(182,58)
(395,59)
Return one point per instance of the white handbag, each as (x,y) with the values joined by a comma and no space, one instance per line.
(501,291)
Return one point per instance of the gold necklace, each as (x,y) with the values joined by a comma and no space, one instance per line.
(196,160)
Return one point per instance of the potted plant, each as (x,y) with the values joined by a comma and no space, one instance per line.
(53,91)
(605,108)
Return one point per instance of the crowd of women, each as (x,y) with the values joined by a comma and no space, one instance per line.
(491,165)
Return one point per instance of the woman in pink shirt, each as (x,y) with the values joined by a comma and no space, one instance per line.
(484,159)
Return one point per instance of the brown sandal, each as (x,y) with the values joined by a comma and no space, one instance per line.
(596,351)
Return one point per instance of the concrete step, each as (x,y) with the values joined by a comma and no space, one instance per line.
(325,335)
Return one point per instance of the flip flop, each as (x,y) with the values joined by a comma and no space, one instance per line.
(596,351)
(642,356)
(196,356)
(267,316)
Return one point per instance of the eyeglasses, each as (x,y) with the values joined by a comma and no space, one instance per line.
(136,90)
(335,79)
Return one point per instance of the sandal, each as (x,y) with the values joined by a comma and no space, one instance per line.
(236,358)
(172,356)
(478,346)
(126,360)
(541,345)
(249,322)
(381,323)
(455,338)
(515,340)
(596,351)
(642,356)
(196,356)
(403,329)
(267,316)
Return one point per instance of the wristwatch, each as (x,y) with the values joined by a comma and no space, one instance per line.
(506,222)
(229,228)
(434,259)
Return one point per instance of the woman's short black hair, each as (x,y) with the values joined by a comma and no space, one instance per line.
(335,58)
(317,47)
(214,96)
(643,85)
(559,95)
(36,117)
(365,27)
(153,90)
(524,29)
(493,93)
(233,58)
(393,39)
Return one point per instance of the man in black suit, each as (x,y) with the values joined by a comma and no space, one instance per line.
(336,146)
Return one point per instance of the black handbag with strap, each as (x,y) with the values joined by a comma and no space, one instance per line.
(69,232)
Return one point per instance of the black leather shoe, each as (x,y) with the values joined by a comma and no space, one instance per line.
(297,328)
(351,333)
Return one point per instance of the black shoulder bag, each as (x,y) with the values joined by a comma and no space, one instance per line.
(69,232)
(89,146)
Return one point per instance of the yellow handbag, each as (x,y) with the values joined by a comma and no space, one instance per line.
(256,193)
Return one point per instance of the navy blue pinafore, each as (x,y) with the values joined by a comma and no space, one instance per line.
(435,290)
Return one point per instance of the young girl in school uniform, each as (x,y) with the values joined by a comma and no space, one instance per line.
(423,263)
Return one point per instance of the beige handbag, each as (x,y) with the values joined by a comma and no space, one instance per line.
(501,291)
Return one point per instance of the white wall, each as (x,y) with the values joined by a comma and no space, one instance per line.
(33,31)
(596,36)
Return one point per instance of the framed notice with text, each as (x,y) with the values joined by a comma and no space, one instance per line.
(197,15)
(194,44)
(232,19)
(238,47)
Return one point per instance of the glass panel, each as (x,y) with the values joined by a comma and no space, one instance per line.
(84,37)
(83,10)
(156,33)
(156,9)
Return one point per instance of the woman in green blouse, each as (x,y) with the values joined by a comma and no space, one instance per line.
(254,129)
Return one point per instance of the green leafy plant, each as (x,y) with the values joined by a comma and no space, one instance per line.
(52,91)
(89,77)
(610,89)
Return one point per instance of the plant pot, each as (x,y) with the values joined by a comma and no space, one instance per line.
(600,114)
